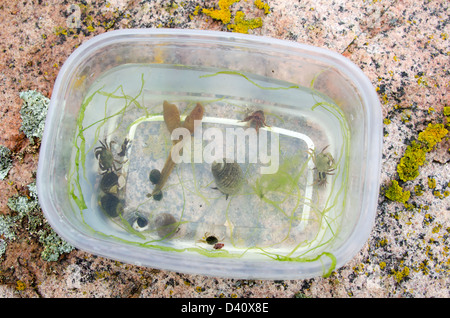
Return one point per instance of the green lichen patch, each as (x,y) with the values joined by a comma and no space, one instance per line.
(33,113)
(54,246)
(5,161)
(26,208)
(7,228)
(2,244)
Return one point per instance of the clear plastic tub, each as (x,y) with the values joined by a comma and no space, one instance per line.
(301,124)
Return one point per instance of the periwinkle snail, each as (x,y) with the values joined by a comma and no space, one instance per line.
(166,225)
(109,182)
(111,205)
(155,176)
(228,176)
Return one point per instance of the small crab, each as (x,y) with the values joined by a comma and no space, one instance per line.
(210,239)
(105,157)
(257,119)
(324,165)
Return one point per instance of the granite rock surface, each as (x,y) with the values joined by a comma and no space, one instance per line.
(401,45)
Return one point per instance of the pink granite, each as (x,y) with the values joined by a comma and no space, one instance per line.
(401,45)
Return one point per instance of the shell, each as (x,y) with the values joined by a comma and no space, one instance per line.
(157,195)
(166,225)
(109,182)
(138,221)
(155,176)
(228,176)
(111,205)
(211,240)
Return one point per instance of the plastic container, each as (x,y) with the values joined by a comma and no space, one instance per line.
(309,180)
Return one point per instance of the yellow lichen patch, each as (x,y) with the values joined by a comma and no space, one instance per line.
(224,12)
(408,168)
(383,242)
(395,193)
(197,8)
(90,28)
(239,22)
(401,274)
(263,6)
(198,289)
(60,30)
(438,194)
(418,190)
(414,157)
(437,228)
(432,135)
(421,81)
(431,183)
(447,112)
(20,285)
(242,25)
(423,267)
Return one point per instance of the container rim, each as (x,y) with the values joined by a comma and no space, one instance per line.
(285,270)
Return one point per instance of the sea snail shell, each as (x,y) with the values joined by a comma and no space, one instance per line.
(166,225)
(228,176)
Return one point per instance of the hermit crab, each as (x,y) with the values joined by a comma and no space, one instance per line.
(257,119)
(324,164)
(106,160)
